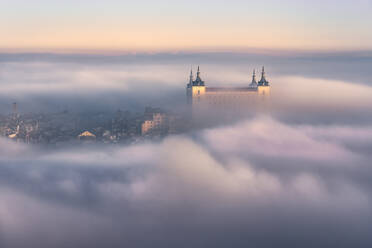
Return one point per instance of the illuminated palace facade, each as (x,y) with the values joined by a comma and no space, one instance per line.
(203,98)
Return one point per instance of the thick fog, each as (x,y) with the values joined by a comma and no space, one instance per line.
(298,175)
(81,83)
(258,183)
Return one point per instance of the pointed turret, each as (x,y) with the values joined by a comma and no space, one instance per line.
(263,81)
(191,79)
(254,82)
(198,81)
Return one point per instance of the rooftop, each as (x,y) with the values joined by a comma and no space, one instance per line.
(227,89)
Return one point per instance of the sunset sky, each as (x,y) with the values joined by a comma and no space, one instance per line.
(145,25)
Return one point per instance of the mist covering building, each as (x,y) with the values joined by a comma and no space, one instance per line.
(226,100)
(156,122)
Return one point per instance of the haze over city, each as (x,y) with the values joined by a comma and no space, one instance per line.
(185,123)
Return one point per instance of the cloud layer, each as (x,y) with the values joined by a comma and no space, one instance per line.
(298,178)
(305,86)
(259,182)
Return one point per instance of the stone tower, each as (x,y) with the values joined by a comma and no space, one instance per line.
(195,88)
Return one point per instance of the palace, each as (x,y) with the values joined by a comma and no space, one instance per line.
(228,99)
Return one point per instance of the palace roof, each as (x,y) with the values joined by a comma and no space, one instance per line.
(231,89)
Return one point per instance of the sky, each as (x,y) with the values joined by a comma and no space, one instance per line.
(142,25)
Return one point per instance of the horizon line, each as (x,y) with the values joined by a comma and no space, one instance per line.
(201,50)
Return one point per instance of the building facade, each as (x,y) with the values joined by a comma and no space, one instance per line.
(205,99)
(155,123)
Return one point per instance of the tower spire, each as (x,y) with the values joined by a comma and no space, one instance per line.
(191,76)
(198,74)
(254,82)
(198,81)
(263,81)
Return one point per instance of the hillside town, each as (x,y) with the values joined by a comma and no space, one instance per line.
(205,103)
(65,127)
